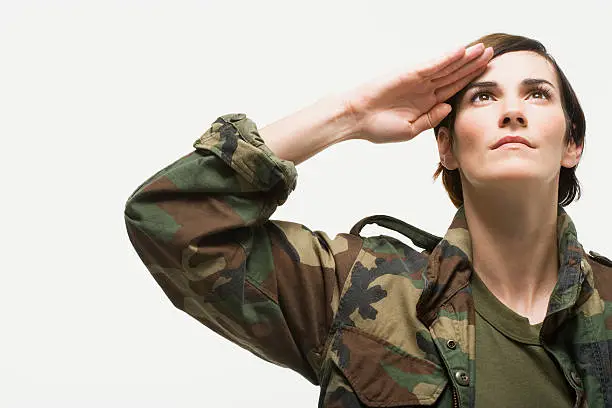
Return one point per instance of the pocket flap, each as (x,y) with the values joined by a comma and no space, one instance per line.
(383,375)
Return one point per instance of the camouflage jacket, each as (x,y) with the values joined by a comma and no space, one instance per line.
(373,321)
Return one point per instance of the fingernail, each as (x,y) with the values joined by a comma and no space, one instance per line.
(478,46)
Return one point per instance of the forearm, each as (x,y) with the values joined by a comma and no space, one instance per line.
(302,134)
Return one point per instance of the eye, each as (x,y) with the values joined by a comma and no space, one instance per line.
(477,94)
(541,90)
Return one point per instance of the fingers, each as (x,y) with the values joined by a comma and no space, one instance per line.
(471,54)
(430,119)
(450,62)
(465,70)
(444,93)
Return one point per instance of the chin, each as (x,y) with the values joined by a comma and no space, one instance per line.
(507,174)
(512,169)
(515,181)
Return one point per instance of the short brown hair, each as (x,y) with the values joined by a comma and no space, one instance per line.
(569,187)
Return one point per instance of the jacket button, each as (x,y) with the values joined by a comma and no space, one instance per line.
(577,380)
(462,377)
(451,344)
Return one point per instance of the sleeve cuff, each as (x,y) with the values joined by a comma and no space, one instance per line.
(235,139)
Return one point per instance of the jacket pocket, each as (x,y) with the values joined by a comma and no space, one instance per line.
(382,375)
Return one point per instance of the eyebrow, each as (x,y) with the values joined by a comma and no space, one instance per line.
(493,84)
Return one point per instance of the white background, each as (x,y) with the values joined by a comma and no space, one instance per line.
(95,97)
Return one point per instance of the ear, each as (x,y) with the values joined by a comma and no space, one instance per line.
(447,156)
(571,154)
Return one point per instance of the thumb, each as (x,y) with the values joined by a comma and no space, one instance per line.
(431,119)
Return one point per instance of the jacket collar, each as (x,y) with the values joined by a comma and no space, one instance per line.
(449,269)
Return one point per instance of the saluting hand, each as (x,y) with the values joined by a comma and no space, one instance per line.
(398,107)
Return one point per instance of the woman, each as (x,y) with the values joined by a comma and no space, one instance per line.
(371,320)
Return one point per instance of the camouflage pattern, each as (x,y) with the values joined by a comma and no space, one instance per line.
(372,320)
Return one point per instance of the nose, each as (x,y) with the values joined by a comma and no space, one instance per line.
(514,117)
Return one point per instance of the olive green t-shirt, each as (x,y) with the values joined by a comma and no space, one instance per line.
(512,368)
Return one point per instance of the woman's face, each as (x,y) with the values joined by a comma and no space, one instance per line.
(485,114)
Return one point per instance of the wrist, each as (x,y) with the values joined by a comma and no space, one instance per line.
(342,120)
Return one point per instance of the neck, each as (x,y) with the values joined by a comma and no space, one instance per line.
(514,244)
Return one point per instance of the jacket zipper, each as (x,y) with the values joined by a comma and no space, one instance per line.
(455,400)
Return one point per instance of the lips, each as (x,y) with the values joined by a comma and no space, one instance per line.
(511,139)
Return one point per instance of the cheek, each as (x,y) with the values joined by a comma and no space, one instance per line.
(549,134)
(552,129)
(470,135)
